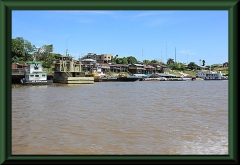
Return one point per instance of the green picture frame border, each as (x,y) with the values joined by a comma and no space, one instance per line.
(6,6)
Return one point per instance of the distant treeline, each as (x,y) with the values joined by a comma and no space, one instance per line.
(23,50)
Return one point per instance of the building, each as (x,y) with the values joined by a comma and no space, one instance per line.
(136,68)
(88,65)
(119,68)
(102,58)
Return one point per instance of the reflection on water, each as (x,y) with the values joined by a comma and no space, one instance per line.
(189,117)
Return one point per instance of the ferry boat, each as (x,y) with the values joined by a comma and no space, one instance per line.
(209,75)
(35,74)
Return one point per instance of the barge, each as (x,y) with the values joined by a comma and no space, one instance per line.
(69,71)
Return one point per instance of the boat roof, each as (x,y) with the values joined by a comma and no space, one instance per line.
(165,75)
(88,59)
(140,75)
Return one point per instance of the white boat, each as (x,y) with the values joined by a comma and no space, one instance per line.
(209,75)
(35,74)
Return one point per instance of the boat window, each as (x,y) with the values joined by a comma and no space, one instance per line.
(43,75)
(36,75)
(31,75)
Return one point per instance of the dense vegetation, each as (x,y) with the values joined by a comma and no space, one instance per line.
(23,50)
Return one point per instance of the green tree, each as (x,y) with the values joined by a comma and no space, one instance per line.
(28,50)
(192,65)
(131,60)
(17,50)
(47,63)
(147,62)
(114,59)
(124,60)
(170,61)
(119,60)
(155,61)
(22,50)
(177,66)
(47,49)
(47,55)
(203,62)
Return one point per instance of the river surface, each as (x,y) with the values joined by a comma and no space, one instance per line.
(157,118)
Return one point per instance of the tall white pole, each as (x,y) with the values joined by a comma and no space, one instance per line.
(161,56)
(175,54)
(166,52)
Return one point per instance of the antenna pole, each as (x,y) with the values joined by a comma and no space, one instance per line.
(175,54)
(66,48)
(166,51)
(161,56)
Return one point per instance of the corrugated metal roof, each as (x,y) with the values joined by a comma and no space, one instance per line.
(140,75)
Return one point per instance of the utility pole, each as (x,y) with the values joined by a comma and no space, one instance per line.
(66,49)
(161,56)
(166,52)
(175,54)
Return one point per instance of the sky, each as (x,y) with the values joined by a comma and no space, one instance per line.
(184,36)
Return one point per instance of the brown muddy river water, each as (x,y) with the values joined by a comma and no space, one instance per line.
(162,118)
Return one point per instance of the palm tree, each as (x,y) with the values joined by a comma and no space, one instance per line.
(170,61)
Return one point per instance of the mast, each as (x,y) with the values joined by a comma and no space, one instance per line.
(66,49)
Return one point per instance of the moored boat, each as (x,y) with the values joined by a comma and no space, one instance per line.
(209,75)
(35,74)
(122,77)
(69,71)
(109,79)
